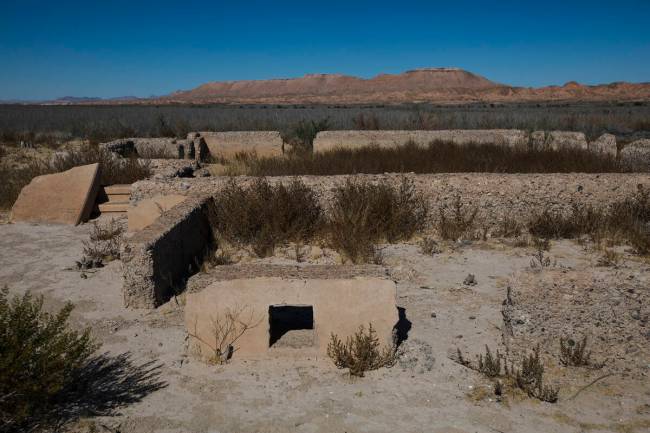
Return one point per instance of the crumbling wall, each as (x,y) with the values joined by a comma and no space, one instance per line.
(228,144)
(157,260)
(495,195)
(636,155)
(329,140)
(159,147)
(558,140)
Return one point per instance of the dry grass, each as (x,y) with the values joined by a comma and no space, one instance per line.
(265,215)
(438,157)
(627,220)
(363,214)
(457,222)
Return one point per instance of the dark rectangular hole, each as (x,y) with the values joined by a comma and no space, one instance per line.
(291,325)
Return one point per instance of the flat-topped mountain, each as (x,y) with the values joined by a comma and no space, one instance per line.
(435,85)
(415,85)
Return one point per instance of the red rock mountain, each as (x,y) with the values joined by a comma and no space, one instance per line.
(438,85)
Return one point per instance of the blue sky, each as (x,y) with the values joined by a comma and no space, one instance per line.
(109,48)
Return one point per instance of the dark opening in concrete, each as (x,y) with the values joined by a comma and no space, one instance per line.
(291,325)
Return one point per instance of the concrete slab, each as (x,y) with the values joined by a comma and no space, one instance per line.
(339,307)
(63,198)
(145,212)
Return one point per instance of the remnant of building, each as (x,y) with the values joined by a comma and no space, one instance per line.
(283,313)
(65,198)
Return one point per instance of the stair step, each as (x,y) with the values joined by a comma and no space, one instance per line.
(118,197)
(114,207)
(118,189)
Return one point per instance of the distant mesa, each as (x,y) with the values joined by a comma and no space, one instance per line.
(434,85)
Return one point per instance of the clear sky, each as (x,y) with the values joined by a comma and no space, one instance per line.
(110,48)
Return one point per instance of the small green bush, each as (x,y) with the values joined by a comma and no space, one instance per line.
(39,356)
(361,352)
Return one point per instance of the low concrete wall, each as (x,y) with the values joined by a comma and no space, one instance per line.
(374,301)
(157,260)
(516,196)
(329,140)
(228,144)
(558,140)
(636,155)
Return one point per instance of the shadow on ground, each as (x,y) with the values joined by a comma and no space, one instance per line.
(105,384)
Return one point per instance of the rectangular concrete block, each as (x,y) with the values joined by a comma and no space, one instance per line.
(63,198)
(228,144)
(329,140)
(339,306)
(158,259)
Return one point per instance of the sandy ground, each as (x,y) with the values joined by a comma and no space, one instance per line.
(425,392)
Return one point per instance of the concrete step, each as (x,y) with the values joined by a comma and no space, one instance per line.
(121,206)
(118,189)
(113,198)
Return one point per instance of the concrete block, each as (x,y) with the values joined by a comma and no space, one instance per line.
(228,144)
(330,140)
(65,198)
(145,212)
(157,260)
(337,306)
(636,156)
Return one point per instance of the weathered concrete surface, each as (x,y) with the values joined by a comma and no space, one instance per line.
(145,212)
(228,144)
(340,306)
(329,140)
(558,140)
(157,260)
(65,198)
(636,155)
(495,195)
(605,144)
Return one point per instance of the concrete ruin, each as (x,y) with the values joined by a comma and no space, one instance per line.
(159,147)
(145,212)
(636,156)
(61,198)
(605,144)
(330,140)
(158,259)
(558,140)
(293,308)
(228,144)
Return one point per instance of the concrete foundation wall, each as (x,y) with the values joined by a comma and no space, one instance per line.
(329,140)
(340,306)
(157,260)
(496,196)
(228,144)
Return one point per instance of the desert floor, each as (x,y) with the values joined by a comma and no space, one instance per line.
(166,390)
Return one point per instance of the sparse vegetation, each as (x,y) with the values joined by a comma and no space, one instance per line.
(627,220)
(361,352)
(44,124)
(103,245)
(438,157)
(225,330)
(363,214)
(574,353)
(430,247)
(458,222)
(39,357)
(530,378)
(265,215)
